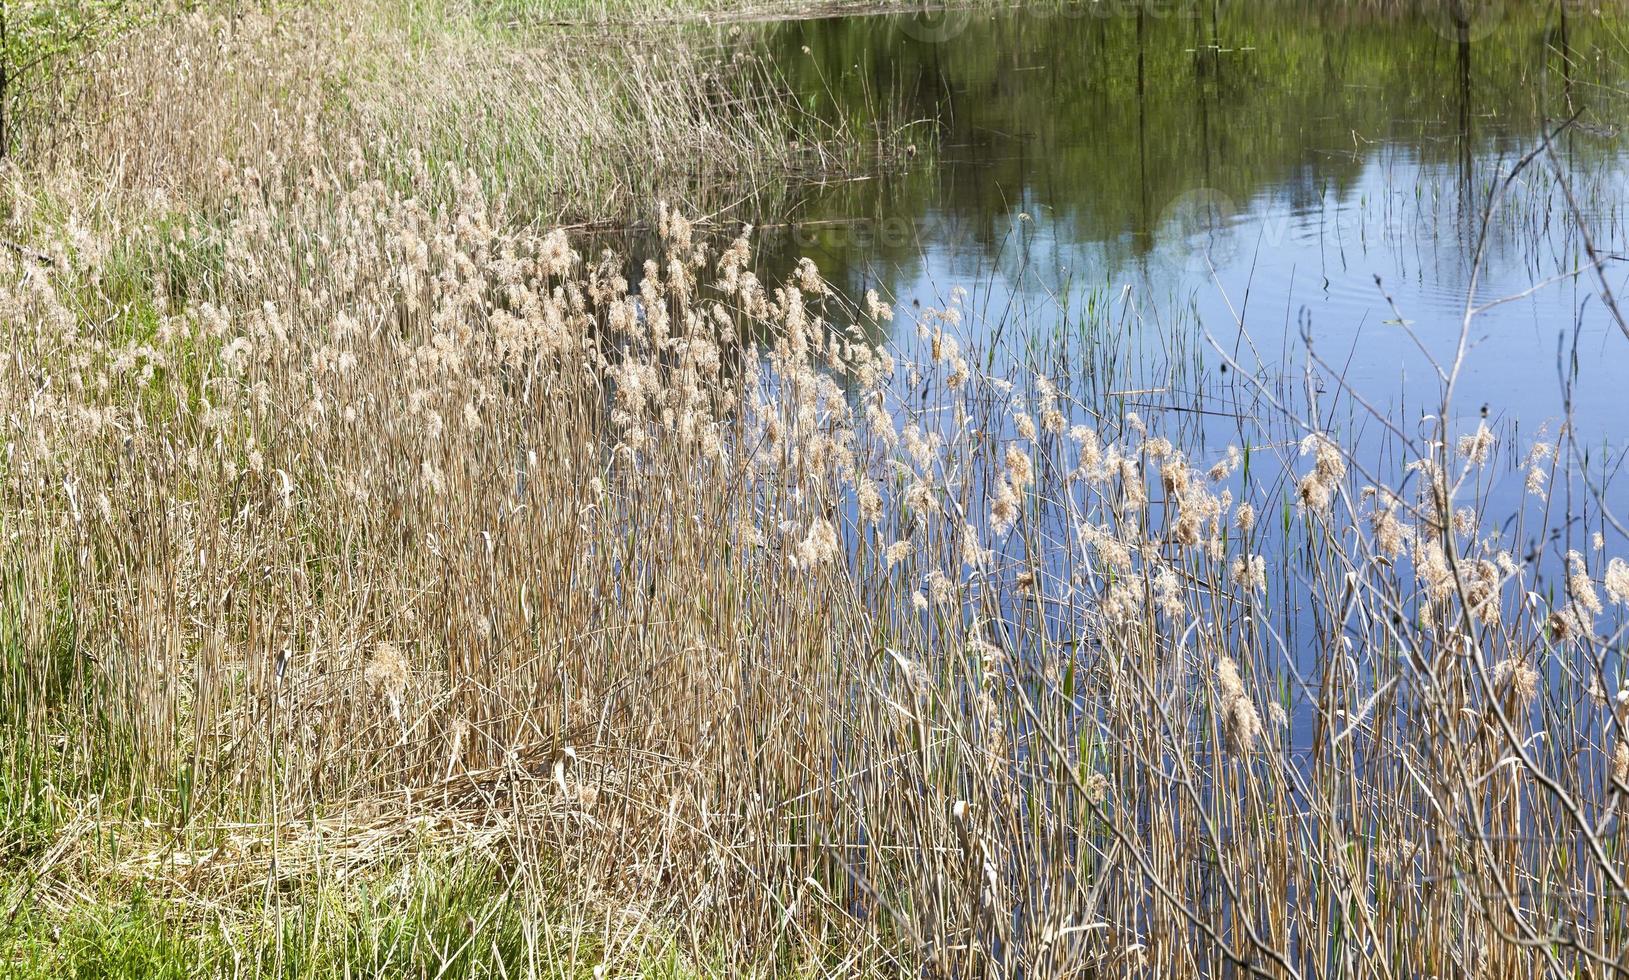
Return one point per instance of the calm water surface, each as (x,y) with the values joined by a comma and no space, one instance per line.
(1257,164)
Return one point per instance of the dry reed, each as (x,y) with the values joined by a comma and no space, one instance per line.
(368,512)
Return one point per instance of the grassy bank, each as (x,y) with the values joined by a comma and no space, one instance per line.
(193,148)
(392,589)
(472,557)
(555,130)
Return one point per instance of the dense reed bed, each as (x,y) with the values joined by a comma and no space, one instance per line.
(853,656)
(556,130)
(391,589)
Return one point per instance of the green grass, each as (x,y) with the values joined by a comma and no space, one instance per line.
(124,939)
(433,916)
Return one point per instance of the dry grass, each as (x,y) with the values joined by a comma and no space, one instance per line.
(556,130)
(368,515)
(575,13)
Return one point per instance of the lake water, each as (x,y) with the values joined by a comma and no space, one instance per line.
(1259,164)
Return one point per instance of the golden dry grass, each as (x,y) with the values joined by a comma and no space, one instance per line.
(347,510)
